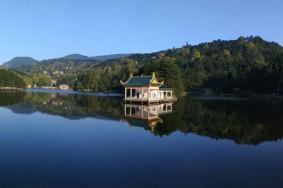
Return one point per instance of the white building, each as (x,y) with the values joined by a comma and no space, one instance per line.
(146,89)
(64,87)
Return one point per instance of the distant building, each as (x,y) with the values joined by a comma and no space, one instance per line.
(146,89)
(57,72)
(53,82)
(64,87)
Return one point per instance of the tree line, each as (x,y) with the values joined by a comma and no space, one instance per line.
(243,66)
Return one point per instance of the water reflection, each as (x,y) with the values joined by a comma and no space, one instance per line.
(146,115)
(244,121)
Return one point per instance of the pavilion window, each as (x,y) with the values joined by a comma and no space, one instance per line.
(128,93)
(128,110)
(164,108)
(134,92)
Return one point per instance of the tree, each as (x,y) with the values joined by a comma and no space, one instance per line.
(166,70)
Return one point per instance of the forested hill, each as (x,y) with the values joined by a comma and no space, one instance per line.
(19,61)
(97,58)
(248,65)
(14,79)
(242,66)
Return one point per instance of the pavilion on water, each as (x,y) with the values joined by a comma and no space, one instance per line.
(146,89)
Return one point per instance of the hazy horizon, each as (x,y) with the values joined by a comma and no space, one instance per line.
(45,30)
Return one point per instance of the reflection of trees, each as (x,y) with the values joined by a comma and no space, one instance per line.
(76,106)
(69,106)
(10,97)
(246,122)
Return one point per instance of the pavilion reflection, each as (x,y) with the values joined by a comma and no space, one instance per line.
(146,115)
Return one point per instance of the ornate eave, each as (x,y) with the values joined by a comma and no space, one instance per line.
(142,81)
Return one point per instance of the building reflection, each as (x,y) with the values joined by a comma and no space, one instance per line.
(146,115)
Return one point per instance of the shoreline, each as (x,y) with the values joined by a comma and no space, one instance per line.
(11,89)
(199,95)
(72,92)
(241,97)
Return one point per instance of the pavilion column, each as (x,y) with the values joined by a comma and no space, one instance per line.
(142,93)
(148,93)
(131,93)
(131,111)
(125,92)
(125,110)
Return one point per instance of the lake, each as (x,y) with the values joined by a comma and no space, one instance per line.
(73,140)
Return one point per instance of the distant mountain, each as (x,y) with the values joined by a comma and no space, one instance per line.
(19,61)
(108,57)
(76,57)
(24,61)
(98,58)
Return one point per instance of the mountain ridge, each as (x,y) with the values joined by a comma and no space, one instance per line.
(77,56)
(19,61)
(25,60)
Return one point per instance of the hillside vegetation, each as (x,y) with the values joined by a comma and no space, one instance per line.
(242,66)
(19,61)
(248,65)
(9,78)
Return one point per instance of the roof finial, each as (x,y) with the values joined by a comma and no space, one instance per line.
(153,74)
(131,74)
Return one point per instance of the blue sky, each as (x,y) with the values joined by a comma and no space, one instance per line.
(52,28)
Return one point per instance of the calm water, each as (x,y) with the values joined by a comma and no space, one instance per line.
(71,140)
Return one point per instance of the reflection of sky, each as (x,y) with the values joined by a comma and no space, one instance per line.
(52,150)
